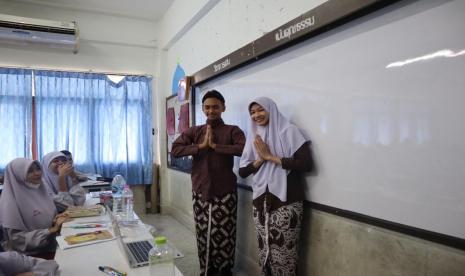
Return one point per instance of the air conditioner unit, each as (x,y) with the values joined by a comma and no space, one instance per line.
(22,30)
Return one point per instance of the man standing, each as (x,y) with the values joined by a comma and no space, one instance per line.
(214,193)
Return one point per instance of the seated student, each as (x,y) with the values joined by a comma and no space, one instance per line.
(27,213)
(57,175)
(13,263)
(75,175)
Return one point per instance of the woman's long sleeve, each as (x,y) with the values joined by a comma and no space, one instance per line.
(301,161)
(248,170)
(76,196)
(25,242)
(12,263)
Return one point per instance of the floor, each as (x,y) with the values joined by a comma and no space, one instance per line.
(183,239)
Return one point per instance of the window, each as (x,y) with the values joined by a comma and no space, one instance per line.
(15,114)
(106,125)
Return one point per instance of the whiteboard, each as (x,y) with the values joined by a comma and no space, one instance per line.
(388,138)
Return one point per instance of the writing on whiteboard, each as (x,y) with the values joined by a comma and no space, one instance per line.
(299,26)
(219,66)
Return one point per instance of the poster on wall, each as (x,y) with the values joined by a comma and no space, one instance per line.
(178,119)
(184,87)
(183,117)
(170,121)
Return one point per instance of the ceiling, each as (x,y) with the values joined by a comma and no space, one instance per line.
(152,10)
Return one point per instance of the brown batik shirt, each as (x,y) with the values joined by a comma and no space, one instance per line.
(212,174)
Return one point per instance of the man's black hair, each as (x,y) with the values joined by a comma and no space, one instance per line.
(213,94)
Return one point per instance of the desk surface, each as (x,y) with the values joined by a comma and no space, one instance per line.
(85,260)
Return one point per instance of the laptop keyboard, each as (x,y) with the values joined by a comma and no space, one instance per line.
(140,250)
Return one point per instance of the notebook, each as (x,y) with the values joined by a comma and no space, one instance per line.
(136,252)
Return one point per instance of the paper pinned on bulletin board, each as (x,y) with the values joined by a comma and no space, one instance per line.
(170,121)
(184,87)
(178,119)
(183,117)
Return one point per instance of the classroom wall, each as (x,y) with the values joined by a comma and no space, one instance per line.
(331,245)
(209,30)
(107,44)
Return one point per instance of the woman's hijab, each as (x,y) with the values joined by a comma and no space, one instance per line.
(49,177)
(283,138)
(24,207)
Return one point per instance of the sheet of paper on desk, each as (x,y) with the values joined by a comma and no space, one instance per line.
(92,176)
(93,183)
(96,235)
(80,238)
(84,211)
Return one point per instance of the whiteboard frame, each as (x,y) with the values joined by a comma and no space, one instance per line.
(208,74)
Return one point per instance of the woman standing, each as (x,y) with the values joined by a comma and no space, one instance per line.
(28,215)
(276,153)
(57,175)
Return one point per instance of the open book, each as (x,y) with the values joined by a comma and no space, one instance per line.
(84,211)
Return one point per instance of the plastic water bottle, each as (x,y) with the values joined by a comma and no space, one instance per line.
(161,258)
(127,198)
(117,184)
(116,188)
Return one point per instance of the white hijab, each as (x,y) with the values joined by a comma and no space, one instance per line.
(22,207)
(51,178)
(283,139)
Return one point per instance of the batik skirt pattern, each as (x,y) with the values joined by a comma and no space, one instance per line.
(278,234)
(215,223)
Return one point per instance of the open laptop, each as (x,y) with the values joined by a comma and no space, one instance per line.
(136,252)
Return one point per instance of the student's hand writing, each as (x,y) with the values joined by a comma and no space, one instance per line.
(57,222)
(61,215)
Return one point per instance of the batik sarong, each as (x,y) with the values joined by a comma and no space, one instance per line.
(215,224)
(278,234)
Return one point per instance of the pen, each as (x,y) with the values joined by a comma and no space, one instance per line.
(87,233)
(86,226)
(111,271)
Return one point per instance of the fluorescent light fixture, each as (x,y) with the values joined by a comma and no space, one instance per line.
(442,53)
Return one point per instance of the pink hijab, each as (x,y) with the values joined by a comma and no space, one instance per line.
(21,207)
(283,139)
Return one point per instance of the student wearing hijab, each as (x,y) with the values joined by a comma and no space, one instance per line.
(57,175)
(28,215)
(276,153)
(75,175)
(13,263)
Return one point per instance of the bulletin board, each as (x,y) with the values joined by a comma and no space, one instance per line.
(178,119)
